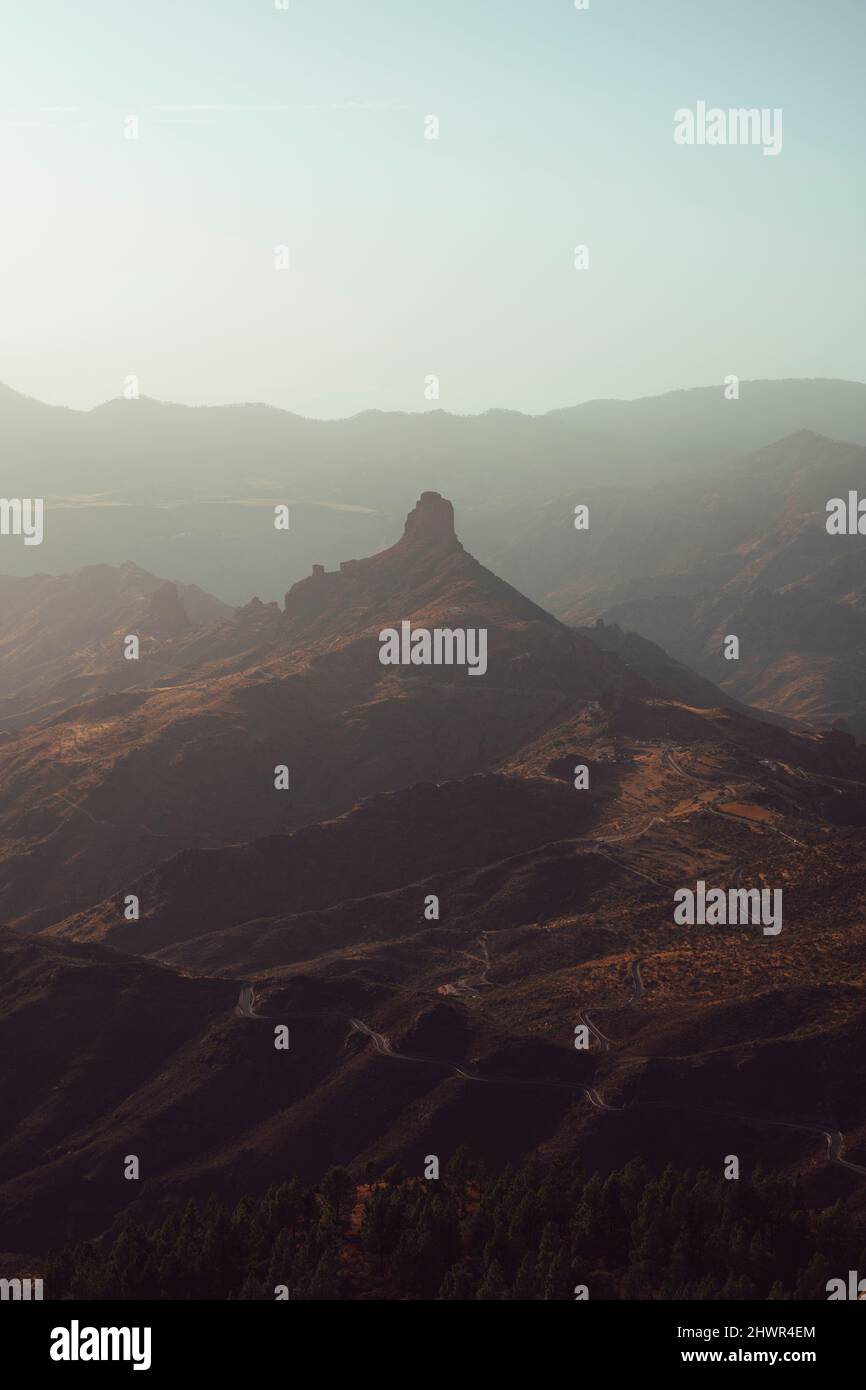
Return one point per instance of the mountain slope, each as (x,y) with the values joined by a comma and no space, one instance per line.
(411,1036)
(62,637)
(414,1030)
(792,593)
(116,784)
(746,553)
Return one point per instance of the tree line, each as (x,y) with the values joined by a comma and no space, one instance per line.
(541,1230)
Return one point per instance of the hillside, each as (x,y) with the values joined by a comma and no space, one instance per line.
(115,784)
(795,595)
(432,909)
(62,637)
(743,552)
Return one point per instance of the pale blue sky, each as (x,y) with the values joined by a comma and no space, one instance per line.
(412,257)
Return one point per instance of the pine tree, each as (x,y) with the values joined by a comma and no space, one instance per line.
(338,1188)
(493,1287)
(457,1285)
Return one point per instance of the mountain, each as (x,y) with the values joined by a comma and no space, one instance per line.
(105,1043)
(62,636)
(187,503)
(792,593)
(664,675)
(432,910)
(178,453)
(174,450)
(411,1036)
(192,759)
(688,427)
(745,552)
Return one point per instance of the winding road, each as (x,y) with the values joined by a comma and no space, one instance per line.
(384,1048)
(834,1138)
(668,760)
(636,980)
(470,981)
(245,1003)
(835,1145)
(584,1018)
(461,985)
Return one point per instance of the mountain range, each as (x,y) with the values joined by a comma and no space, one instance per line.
(189,491)
(706,517)
(435,903)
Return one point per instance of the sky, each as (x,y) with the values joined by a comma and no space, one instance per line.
(410,258)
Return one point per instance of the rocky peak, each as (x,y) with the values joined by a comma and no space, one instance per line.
(165,614)
(431,522)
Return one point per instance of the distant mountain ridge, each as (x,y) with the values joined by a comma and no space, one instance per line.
(702,420)
(770,574)
(190,490)
(743,551)
(177,451)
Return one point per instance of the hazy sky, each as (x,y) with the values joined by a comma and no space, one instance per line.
(408,257)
